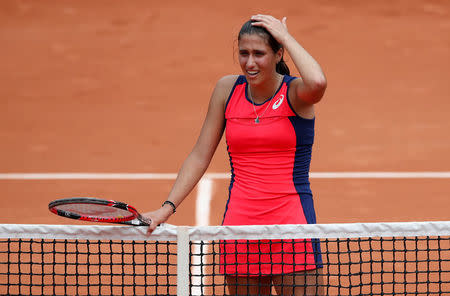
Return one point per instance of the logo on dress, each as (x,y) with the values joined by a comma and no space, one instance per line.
(278,102)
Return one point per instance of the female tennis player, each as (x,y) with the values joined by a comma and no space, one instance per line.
(268,118)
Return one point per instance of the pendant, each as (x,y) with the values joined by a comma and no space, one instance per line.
(257,120)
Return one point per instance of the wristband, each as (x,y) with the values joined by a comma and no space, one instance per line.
(168,202)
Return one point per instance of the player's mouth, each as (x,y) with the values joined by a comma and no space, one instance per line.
(252,74)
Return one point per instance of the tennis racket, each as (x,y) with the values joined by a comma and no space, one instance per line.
(98,210)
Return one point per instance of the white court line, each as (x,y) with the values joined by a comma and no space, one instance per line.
(381,175)
(203,202)
(86,176)
(171,176)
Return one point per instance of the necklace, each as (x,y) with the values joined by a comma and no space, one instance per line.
(253,104)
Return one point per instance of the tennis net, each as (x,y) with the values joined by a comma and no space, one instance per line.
(411,258)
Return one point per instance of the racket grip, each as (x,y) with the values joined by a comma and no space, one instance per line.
(145,220)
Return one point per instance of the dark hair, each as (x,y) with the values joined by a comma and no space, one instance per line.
(248,28)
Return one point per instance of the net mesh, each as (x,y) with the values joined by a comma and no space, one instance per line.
(87,267)
(334,259)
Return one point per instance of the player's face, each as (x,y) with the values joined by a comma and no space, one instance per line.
(256,58)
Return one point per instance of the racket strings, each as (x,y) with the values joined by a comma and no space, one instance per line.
(101,211)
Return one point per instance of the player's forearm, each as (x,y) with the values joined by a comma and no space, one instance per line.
(190,173)
(309,69)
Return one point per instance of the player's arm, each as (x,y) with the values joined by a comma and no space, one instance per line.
(312,84)
(200,157)
(309,89)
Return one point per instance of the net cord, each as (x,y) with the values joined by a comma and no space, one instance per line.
(168,232)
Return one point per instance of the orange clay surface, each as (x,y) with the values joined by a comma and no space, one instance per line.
(123,87)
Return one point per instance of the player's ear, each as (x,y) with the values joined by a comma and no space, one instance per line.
(279,55)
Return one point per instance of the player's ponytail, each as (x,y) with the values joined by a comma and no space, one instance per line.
(281,67)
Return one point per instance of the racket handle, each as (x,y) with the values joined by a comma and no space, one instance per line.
(146,221)
(139,221)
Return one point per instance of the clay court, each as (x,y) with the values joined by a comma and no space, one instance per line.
(115,87)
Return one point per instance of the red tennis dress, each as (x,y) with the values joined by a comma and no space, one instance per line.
(270,162)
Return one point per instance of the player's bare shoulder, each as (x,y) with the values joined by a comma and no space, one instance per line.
(223,87)
(227,82)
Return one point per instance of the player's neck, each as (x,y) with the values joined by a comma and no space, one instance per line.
(266,90)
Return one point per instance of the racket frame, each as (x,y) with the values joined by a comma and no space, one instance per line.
(133,219)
